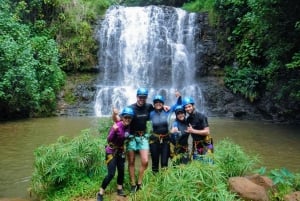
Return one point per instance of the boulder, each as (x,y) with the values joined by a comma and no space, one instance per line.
(247,190)
(295,196)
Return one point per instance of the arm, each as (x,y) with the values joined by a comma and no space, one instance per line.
(174,128)
(203,132)
(178,102)
(115,115)
(112,132)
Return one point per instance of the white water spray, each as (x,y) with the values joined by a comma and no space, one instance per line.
(153,47)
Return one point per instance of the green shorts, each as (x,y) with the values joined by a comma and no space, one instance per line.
(137,143)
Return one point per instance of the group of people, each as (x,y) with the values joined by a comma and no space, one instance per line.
(186,139)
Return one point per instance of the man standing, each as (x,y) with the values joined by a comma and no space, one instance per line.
(138,139)
(197,125)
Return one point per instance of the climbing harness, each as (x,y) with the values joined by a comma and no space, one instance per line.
(117,150)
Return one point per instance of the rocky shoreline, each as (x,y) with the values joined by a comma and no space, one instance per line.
(219,101)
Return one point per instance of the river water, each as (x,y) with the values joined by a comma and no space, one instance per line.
(277,144)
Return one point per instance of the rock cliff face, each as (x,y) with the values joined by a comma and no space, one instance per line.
(218,100)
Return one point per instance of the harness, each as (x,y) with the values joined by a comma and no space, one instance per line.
(160,137)
(206,145)
(117,150)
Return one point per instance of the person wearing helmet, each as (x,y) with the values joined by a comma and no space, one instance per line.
(199,128)
(160,138)
(115,155)
(181,141)
(138,139)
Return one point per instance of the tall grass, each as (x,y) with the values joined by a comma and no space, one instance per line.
(73,168)
(70,165)
(198,180)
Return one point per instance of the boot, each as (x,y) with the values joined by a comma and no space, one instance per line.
(139,187)
(120,192)
(99,197)
(133,188)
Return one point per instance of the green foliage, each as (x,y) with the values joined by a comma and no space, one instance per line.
(199,181)
(30,76)
(202,6)
(75,32)
(72,168)
(295,62)
(175,3)
(285,181)
(195,181)
(68,163)
(263,36)
(245,81)
(232,160)
(199,5)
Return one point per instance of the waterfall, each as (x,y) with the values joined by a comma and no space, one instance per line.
(154,47)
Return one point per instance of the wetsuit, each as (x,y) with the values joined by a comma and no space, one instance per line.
(160,139)
(180,142)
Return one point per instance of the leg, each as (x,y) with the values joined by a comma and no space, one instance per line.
(131,168)
(165,153)
(111,170)
(154,150)
(143,147)
(144,154)
(121,169)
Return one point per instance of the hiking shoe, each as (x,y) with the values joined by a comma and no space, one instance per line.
(99,197)
(139,187)
(133,188)
(120,192)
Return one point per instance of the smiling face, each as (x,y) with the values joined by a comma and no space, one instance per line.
(141,100)
(126,120)
(189,108)
(158,105)
(180,115)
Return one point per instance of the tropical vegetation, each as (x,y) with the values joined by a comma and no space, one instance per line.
(43,41)
(260,42)
(72,169)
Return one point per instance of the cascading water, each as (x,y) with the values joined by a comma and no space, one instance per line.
(153,47)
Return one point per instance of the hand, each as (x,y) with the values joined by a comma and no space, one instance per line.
(115,111)
(166,108)
(177,93)
(189,129)
(115,127)
(174,130)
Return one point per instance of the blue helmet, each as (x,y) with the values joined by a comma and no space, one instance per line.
(142,92)
(187,100)
(179,108)
(127,111)
(158,98)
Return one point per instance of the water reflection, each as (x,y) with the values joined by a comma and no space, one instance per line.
(276,144)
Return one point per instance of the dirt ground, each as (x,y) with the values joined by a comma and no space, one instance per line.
(111,197)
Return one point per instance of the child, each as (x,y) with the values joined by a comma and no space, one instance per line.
(115,157)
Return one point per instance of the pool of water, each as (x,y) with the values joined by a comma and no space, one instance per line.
(277,144)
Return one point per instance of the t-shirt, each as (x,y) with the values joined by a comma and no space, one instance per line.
(198,121)
(142,113)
